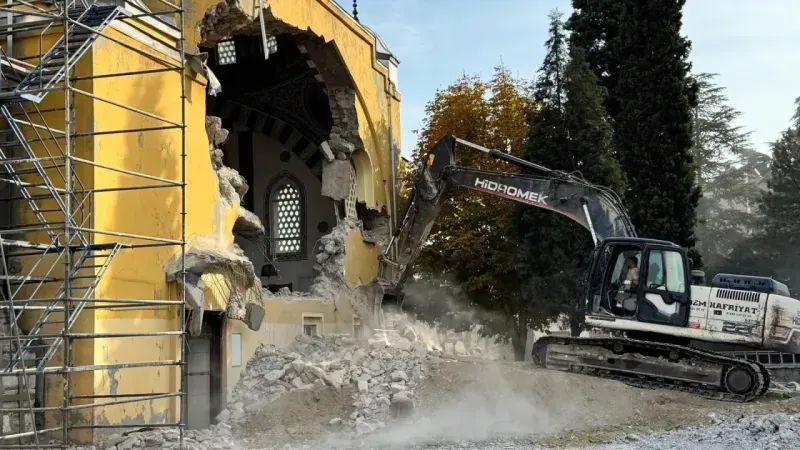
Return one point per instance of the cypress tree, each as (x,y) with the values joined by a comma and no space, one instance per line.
(568,132)
(636,50)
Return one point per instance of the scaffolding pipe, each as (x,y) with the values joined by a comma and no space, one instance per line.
(71,229)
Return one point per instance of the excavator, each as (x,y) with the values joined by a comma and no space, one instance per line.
(653,325)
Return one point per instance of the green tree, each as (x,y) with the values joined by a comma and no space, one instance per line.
(781,209)
(729,172)
(717,141)
(636,50)
(729,213)
(568,132)
(594,26)
(469,254)
(653,129)
(774,249)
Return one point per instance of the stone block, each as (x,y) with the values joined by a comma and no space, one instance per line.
(336,179)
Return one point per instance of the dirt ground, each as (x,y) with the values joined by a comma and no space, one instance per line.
(557,409)
(296,417)
(475,400)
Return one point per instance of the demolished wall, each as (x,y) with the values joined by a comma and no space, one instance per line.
(229,272)
(227,19)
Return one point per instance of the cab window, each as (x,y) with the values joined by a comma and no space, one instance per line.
(656,270)
(666,271)
(676,279)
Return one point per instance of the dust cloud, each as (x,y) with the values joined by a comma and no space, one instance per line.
(488,409)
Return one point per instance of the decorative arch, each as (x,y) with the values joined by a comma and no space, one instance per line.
(285,217)
(365,188)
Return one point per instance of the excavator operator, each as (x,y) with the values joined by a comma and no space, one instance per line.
(633,271)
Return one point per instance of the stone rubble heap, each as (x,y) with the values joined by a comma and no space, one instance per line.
(382,372)
(773,431)
(218,437)
(451,343)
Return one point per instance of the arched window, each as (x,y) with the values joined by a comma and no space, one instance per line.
(286,217)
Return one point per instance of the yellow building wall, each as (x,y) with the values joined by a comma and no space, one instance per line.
(361,261)
(139,274)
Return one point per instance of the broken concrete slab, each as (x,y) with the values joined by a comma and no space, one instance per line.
(232,185)
(216,134)
(402,404)
(325,148)
(202,256)
(254,316)
(336,179)
(248,224)
(339,145)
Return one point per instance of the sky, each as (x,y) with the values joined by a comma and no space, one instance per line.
(754,46)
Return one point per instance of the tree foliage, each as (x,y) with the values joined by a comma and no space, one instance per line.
(637,51)
(469,252)
(594,26)
(780,236)
(568,132)
(731,175)
(774,249)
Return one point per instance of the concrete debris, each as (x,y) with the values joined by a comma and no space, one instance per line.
(767,431)
(451,343)
(232,186)
(344,135)
(382,372)
(325,148)
(285,294)
(236,271)
(340,146)
(376,230)
(336,179)
(216,136)
(248,224)
(218,437)
(330,260)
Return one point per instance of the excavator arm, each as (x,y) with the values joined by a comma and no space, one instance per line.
(597,209)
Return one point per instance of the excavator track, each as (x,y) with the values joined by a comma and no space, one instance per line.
(653,365)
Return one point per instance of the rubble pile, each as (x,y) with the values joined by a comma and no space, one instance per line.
(451,343)
(382,374)
(778,431)
(330,260)
(218,437)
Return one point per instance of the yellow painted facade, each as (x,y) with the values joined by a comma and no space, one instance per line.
(139,273)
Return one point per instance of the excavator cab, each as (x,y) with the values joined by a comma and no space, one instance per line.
(662,293)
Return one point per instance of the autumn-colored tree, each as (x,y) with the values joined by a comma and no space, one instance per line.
(405,182)
(470,244)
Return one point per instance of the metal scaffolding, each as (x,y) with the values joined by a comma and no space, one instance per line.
(53,257)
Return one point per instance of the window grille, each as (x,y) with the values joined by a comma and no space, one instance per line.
(287,219)
(350,201)
(226,52)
